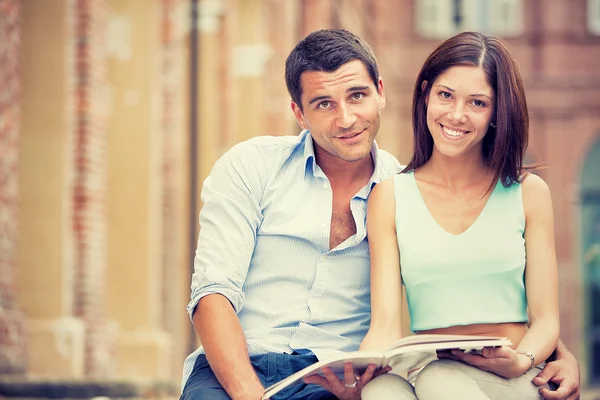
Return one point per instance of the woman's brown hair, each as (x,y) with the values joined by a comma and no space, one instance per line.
(506,140)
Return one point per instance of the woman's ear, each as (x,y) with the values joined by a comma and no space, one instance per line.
(423,87)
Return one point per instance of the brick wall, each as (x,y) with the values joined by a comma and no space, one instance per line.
(12,325)
(174,18)
(88,20)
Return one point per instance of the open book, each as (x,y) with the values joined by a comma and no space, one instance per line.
(405,354)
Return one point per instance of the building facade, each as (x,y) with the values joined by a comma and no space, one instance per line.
(100,173)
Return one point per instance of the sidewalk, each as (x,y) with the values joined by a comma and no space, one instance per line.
(28,388)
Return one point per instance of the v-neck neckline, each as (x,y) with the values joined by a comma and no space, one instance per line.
(435,221)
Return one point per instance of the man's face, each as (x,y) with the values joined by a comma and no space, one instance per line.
(342,110)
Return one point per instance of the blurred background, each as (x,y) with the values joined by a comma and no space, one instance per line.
(112,113)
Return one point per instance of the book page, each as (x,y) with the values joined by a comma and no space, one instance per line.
(360,360)
(434,338)
(405,354)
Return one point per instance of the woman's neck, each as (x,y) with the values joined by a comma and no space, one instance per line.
(457,172)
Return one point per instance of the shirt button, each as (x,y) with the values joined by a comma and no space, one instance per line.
(325,186)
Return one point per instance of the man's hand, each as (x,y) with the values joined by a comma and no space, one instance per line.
(565,373)
(351,387)
(503,361)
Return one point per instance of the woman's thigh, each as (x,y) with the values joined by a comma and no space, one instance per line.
(447,379)
(388,386)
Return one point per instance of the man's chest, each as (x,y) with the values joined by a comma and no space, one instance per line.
(314,214)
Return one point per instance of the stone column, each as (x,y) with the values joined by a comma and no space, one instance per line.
(134,200)
(283,34)
(251,52)
(176,263)
(212,70)
(45,249)
(13,355)
(88,21)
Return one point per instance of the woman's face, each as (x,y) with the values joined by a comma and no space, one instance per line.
(460,106)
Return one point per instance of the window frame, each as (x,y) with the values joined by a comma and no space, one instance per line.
(435,19)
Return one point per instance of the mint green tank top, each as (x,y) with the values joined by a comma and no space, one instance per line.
(472,278)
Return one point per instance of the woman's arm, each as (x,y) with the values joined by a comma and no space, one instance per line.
(541,285)
(541,275)
(386,287)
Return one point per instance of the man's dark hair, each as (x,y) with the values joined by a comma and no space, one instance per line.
(326,50)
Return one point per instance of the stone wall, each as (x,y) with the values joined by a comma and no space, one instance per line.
(13,355)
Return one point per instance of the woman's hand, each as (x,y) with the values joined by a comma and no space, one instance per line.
(503,361)
(351,387)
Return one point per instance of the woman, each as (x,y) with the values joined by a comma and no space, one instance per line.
(472,230)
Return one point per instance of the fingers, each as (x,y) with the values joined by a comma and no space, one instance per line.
(547,374)
(350,386)
(562,393)
(334,382)
(318,380)
(367,375)
(349,375)
(381,371)
(497,352)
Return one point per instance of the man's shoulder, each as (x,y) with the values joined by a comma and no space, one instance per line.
(261,155)
(389,164)
(262,145)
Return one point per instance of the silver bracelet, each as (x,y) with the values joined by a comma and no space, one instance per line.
(531,356)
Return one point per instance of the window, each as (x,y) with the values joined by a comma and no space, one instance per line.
(444,18)
(593,16)
(590,241)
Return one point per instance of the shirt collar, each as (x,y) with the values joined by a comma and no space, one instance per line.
(310,164)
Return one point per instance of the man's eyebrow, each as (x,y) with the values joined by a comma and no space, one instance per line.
(318,98)
(349,90)
(358,88)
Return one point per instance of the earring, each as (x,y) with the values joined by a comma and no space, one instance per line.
(493,125)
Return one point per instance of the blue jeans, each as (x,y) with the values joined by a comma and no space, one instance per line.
(270,368)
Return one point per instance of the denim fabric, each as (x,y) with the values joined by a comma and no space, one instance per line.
(270,368)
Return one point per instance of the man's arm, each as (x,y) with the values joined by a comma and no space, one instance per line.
(564,372)
(224,343)
(229,222)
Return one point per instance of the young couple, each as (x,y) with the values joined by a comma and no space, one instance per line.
(282,269)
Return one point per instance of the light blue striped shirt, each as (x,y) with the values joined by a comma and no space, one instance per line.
(264,245)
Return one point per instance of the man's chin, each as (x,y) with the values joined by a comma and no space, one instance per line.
(355,157)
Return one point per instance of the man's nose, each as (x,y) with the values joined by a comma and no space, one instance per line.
(346,117)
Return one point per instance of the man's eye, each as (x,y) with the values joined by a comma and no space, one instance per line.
(357,96)
(324,104)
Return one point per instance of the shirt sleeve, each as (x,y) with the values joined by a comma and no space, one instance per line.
(229,220)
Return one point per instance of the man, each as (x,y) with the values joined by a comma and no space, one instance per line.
(282,266)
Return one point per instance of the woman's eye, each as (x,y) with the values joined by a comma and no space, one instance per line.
(478,103)
(445,95)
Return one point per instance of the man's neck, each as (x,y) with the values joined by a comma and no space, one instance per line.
(339,171)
